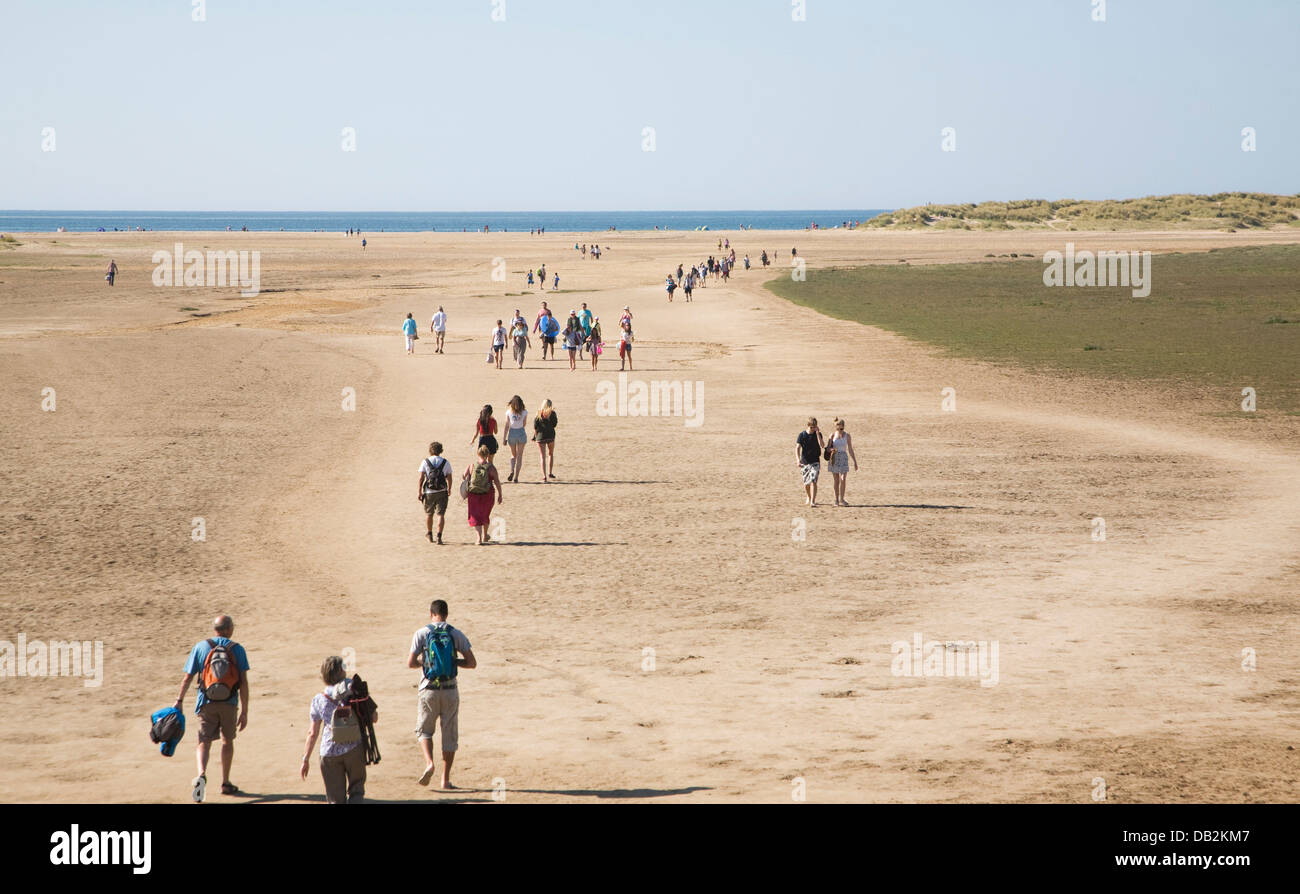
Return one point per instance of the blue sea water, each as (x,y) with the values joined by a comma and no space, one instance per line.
(440,221)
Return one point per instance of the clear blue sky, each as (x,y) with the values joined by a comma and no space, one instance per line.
(544,111)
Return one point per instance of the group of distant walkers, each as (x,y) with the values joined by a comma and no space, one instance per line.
(481,486)
(342,714)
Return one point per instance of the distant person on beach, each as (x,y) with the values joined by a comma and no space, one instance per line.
(363,245)
(626,317)
(483,481)
(433,651)
(746,262)
(808,454)
(485,431)
(689,285)
(544,434)
(516,435)
(499,342)
(342,763)
(842,443)
(111,273)
(585,319)
(435,487)
(671,287)
(594,344)
(550,333)
(439,329)
(409,329)
(530,277)
(625,345)
(222,668)
(521,341)
(573,339)
(555,286)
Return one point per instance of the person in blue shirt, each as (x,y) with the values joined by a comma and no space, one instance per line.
(409,329)
(217,718)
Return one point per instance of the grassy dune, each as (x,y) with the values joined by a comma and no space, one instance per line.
(1224,211)
(1228,318)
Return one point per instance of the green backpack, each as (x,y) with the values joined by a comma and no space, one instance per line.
(480,482)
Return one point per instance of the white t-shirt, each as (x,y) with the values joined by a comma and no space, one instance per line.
(499,335)
(439,322)
(516,420)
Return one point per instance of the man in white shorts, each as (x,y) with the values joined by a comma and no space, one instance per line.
(439,697)
(439,329)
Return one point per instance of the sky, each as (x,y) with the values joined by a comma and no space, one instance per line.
(530,105)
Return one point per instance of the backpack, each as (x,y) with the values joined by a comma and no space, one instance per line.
(481,481)
(439,654)
(220,673)
(345,727)
(435,476)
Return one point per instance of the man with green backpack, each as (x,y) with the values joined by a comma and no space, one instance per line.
(433,651)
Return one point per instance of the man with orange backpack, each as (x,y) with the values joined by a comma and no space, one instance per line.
(222,668)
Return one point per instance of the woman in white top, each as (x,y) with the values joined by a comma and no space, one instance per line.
(625,346)
(842,441)
(516,435)
(499,342)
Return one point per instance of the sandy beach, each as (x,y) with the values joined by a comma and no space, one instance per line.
(770,656)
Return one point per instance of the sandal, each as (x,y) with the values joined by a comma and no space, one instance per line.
(229,788)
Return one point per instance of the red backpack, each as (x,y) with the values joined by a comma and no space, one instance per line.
(220,672)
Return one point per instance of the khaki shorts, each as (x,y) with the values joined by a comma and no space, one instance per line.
(217,720)
(435,504)
(439,706)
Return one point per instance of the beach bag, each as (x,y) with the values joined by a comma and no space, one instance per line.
(464,488)
(220,673)
(480,481)
(829,453)
(439,654)
(491,355)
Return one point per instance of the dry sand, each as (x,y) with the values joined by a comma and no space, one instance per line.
(1119,659)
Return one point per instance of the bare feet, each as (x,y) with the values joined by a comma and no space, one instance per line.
(428,774)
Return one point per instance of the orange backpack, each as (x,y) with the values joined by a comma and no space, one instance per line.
(220,672)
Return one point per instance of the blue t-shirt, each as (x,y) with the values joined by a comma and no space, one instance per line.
(199,654)
(409,326)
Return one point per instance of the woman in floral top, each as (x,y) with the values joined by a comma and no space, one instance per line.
(342,764)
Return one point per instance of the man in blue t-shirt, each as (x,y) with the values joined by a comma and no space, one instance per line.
(217,718)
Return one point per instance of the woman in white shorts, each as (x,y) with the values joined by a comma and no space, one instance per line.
(516,435)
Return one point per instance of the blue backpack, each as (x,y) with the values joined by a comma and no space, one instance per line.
(439,654)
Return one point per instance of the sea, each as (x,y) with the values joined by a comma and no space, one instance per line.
(421,222)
